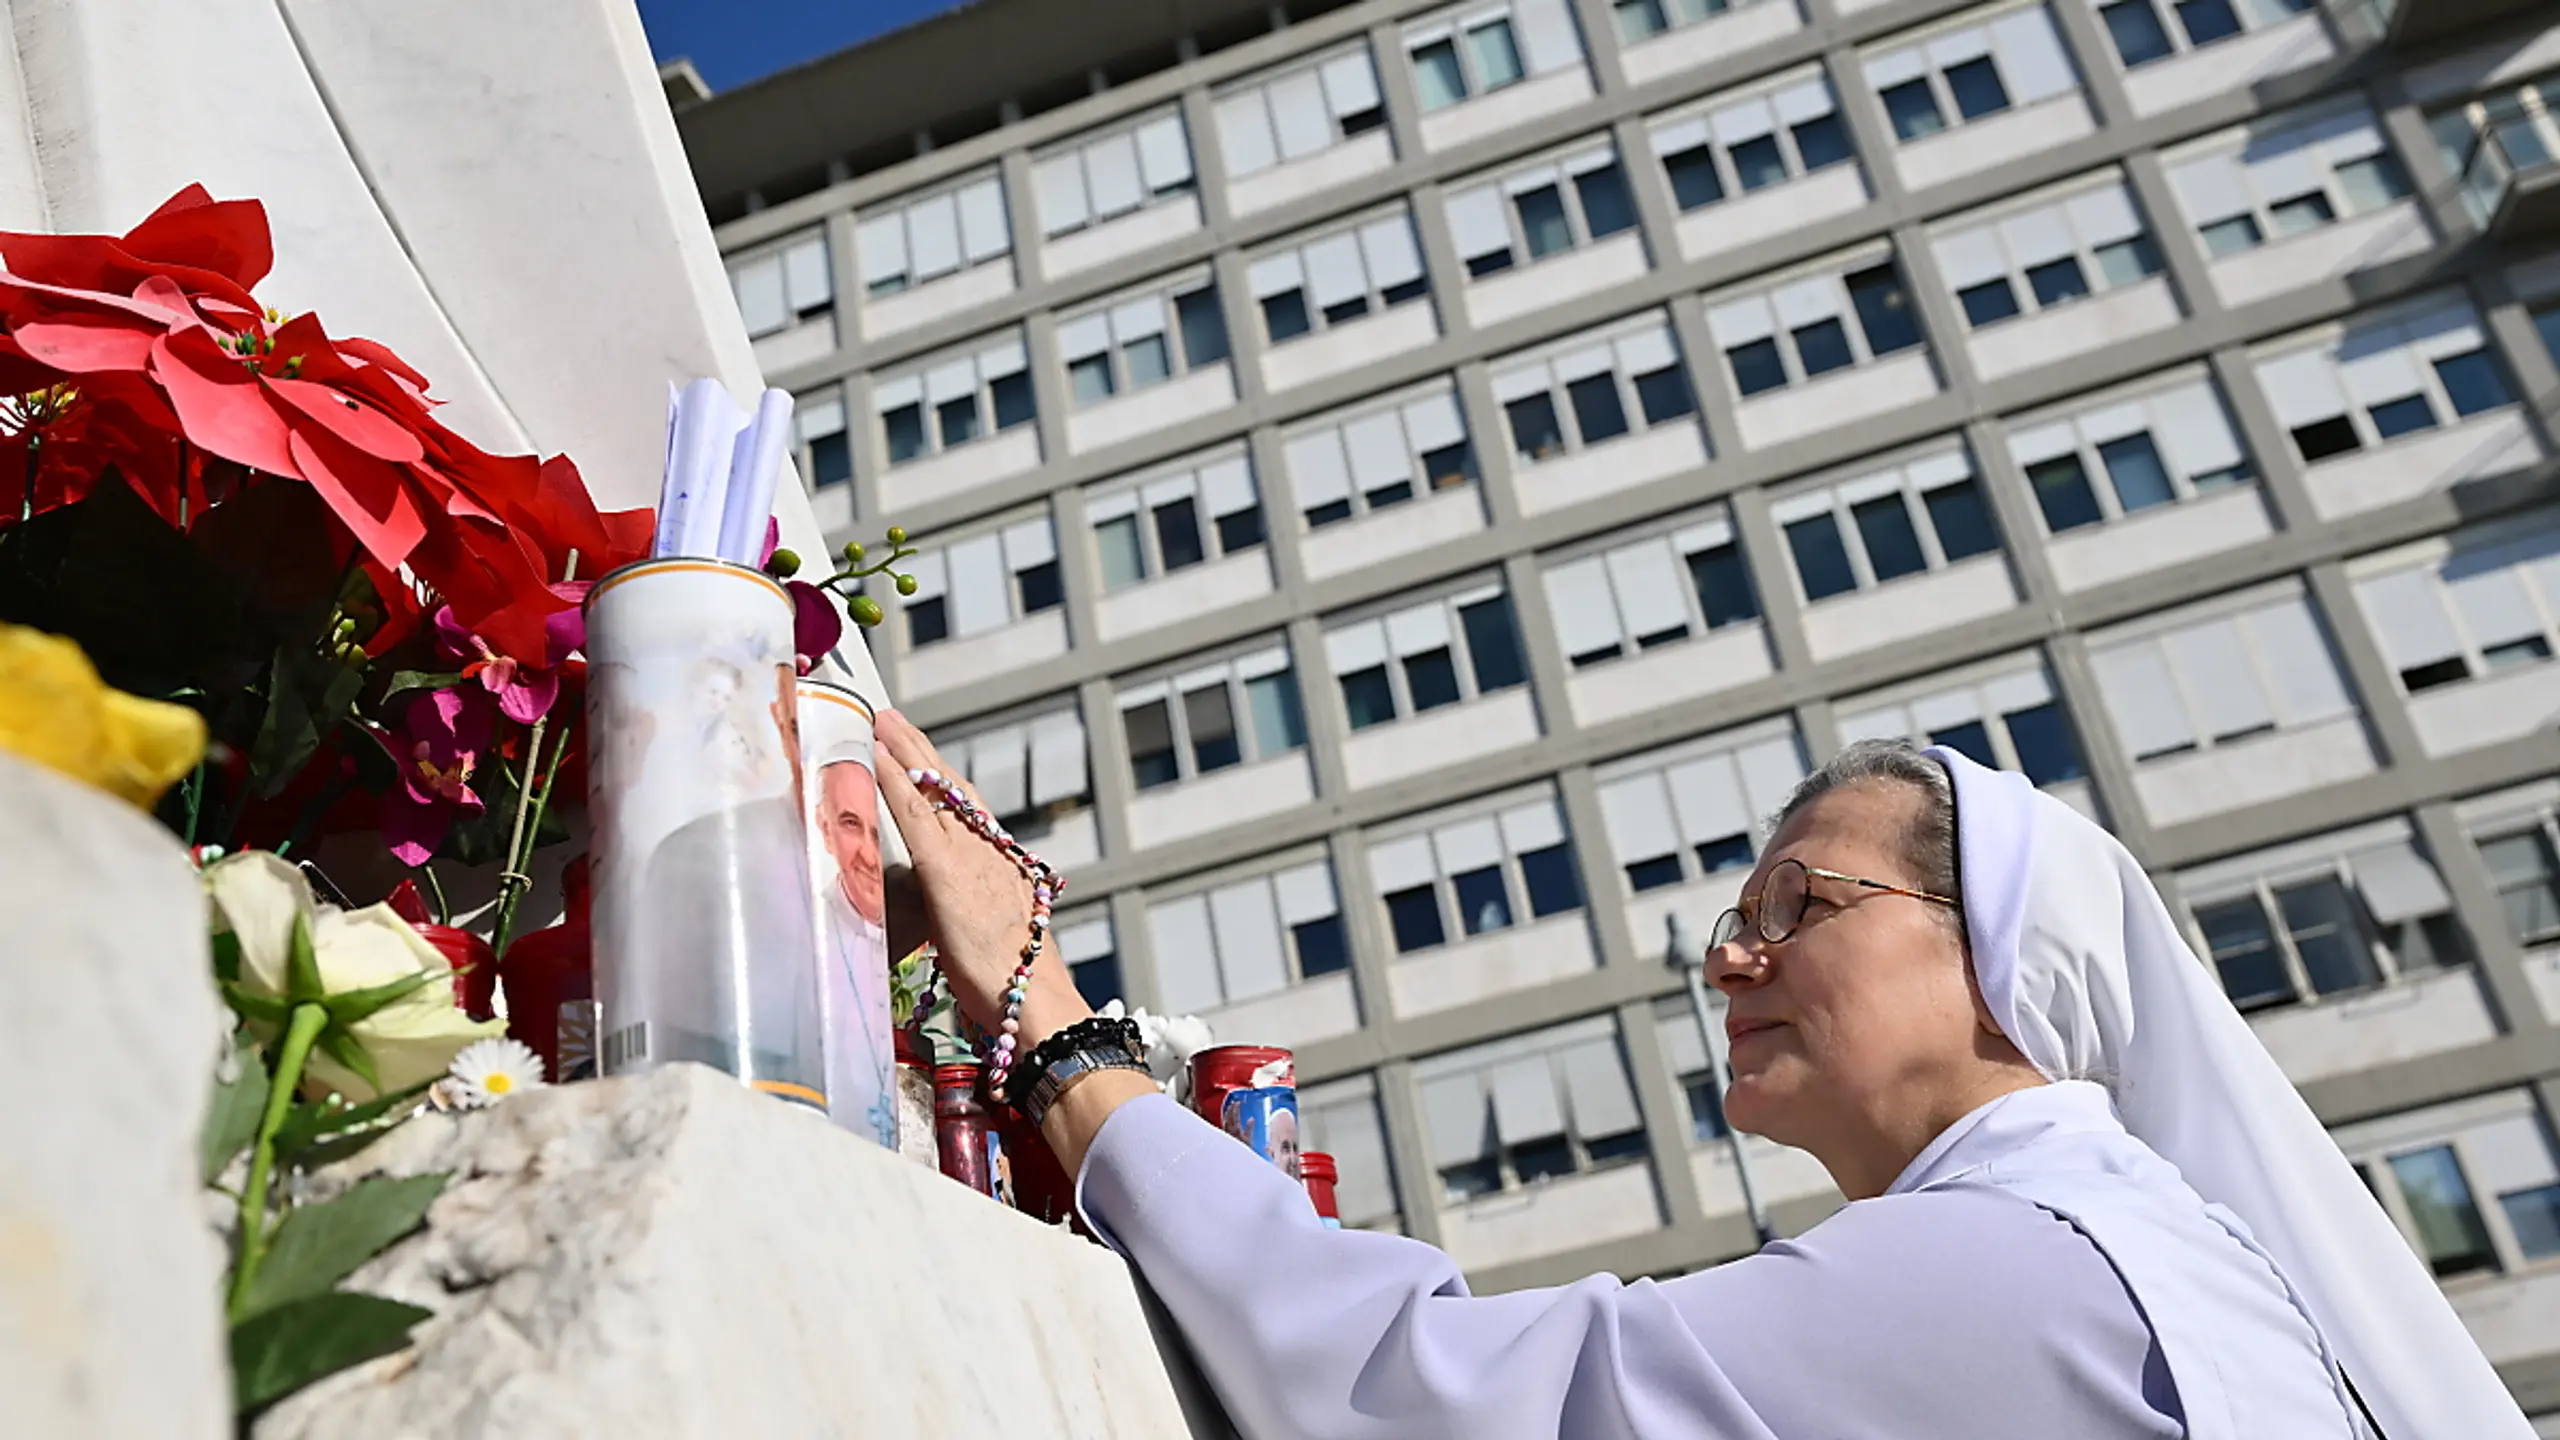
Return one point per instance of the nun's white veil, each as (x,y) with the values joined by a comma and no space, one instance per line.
(2087,974)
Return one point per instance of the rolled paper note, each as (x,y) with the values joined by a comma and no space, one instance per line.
(671,496)
(752,476)
(703,449)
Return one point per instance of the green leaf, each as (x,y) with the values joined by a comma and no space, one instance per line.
(253,1007)
(353,1007)
(302,983)
(319,1245)
(420,680)
(307,695)
(306,1126)
(226,956)
(348,1051)
(231,1121)
(278,1351)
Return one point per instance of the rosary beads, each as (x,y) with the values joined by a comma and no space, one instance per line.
(1046,887)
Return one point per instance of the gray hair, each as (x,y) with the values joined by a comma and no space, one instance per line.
(1928,843)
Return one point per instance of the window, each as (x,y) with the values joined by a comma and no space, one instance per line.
(2384,379)
(1878,528)
(983,583)
(1141,342)
(2142,36)
(2475,607)
(826,450)
(2117,458)
(1476,876)
(1301,112)
(2546,323)
(784,285)
(915,241)
(2449,1230)
(1415,660)
(1548,209)
(2139,36)
(1484,52)
(1963,75)
(1197,514)
(2209,681)
(1681,815)
(2055,253)
(1031,772)
(1097,179)
(1593,391)
(2335,915)
(2290,176)
(1246,939)
(1529,1110)
(2527,878)
(1380,459)
(1231,712)
(2472,1183)
(1653,592)
(1093,958)
(2008,720)
(1684,1050)
(1737,147)
(1803,329)
(1340,1118)
(953,401)
(1338,279)
(1643,19)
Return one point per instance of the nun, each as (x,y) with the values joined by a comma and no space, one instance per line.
(2083,1202)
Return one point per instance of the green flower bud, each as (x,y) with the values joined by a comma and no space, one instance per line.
(897,534)
(784,564)
(906,584)
(866,611)
(853,552)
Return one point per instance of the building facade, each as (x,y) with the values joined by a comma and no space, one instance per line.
(1406,487)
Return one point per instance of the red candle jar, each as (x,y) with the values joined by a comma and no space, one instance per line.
(478,964)
(1042,1188)
(1316,1170)
(547,969)
(1222,1068)
(966,1133)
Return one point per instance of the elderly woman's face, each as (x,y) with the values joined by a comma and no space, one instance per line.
(1867,1008)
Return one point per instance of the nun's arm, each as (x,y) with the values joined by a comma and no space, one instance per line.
(1313,1332)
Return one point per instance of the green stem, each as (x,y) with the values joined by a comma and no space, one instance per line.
(435,888)
(309,1019)
(519,853)
(195,801)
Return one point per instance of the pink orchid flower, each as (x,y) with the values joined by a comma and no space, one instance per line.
(438,745)
(525,689)
(817,619)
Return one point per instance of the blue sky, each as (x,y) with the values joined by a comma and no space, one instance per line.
(734,41)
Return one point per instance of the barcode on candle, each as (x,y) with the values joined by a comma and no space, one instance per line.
(626,1046)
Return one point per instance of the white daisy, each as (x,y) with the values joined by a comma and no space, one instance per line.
(488,1071)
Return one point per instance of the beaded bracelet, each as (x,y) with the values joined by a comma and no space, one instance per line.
(1046,886)
(1092,1033)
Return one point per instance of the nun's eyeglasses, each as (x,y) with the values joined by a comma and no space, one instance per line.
(1779,907)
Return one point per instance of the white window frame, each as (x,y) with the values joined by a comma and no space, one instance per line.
(798,272)
(2301,379)
(1381,242)
(2179,420)
(2248,173)
(1671,802)
(1443,1079)
(1028,747)
(1433,852)
(1219,486)
(2013,45)
(1164,170)
(1305,887)
(1790,101)
(1385,633)
(1628,351)
(887,233)
(1739,319)
(2080,226)
(1611,588)
(1344,80)
(2260,619)
(987,361)
(2541,822)
(1234,671)
(2465,1126)
(1122,323)
(1025,541)
(1368,1171)
(1914,481)
(2326,859)
(1988,695)
(1498,193)
(1459,27)
(2394,590)
(819,418)
(2253,15)
(1663,17)
(1325,460)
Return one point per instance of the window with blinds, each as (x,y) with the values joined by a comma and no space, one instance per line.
(1592,388)
(2144,32)
(2474,1184)
(1644,594)
(1247,938)
(953,400)
(2006,717)
(2331,915)
(1971,73)
(1474,874)
(916,240)
(1302,111)
(1876,529)
(1095,179)
(2479,605)
(1734,144)
(2212,675)
(1529,1109)
(783,284)
(1188,516)
(983,583)
(1698,808)
(2285,176)
(2047,256)
(1030,770)
(1378,456)
(818,433)
(2100,463)
(1213,716)
(1418,658)
(1551,206)
(2384,378)
(1463,53)
(1642,20)
(1142,339)
(1815,324)
(1340,1118)
(1360,270)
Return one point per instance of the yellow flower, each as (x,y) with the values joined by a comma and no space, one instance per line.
(56,712)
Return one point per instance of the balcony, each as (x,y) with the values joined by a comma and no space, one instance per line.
(2511,180)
